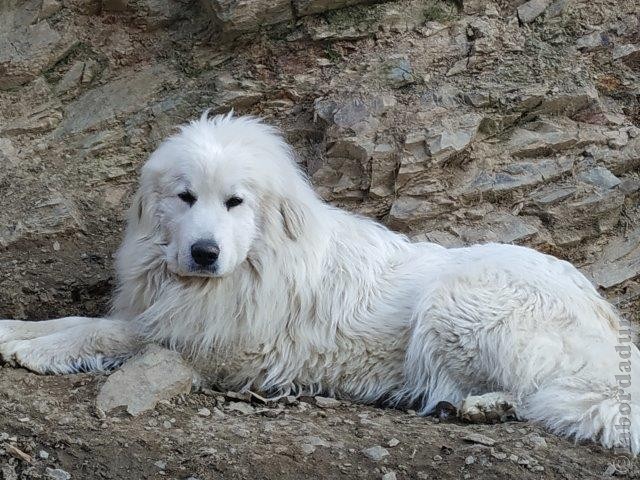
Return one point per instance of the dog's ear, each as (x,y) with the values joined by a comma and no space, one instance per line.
(293,217)
(141,218)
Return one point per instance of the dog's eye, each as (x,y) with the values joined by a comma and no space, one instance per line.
(233,202)
(187,197)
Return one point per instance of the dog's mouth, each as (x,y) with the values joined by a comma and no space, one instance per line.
(208,272)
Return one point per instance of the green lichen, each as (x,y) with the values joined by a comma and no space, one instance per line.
(361,16)
(439,12)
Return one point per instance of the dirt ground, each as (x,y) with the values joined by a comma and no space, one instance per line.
(216,436)
(545,118)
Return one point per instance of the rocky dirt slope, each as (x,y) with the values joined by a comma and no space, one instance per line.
(456,122)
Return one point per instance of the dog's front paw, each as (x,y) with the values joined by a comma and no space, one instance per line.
(494,407)
(35,355)
(18,353)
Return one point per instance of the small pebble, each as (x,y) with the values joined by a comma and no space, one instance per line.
(537,441)
(307,449)
(327,402)
(479,438)
(376,453)
(58,474)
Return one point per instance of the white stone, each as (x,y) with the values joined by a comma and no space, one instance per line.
(155,374)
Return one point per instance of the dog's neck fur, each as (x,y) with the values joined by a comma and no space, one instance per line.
(269,299)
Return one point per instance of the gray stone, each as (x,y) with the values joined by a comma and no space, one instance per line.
(517,175)
(568,99)
(398,72)
(452,137)
(72,78)
(307,449)
(234,16)
(155,374)
(16,14)
(27,51)
(497,227)
(479,438)
(536,441)
(630,186)
(532,9)
(552,195)
(127,94)
(599,177)
(584,217)
(591,41)
(241,407)
(626,53)
(527,143)
(617,139)
(383,168)
(411,212)
(376,453)
(327,402)
(8,152)
(445,143)
(393,442)
(236,93)
(316,441)
(356,113)
(44,118)
(51,215)
(458,67)
(389,476)
(556,8)
(57,474)
(620,261)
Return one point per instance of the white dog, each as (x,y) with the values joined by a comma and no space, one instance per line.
(230,258)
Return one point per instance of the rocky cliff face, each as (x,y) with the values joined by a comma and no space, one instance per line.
(454,122)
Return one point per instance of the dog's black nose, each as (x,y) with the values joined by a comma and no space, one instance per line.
(205,252)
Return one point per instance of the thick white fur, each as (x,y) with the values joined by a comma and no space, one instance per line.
(309,298)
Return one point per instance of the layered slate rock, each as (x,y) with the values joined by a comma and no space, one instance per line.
(28,50)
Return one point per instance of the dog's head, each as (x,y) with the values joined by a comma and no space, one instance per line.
(212,195)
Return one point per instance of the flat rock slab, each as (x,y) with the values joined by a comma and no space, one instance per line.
(128,94)
(531,10)
(27,51)
(155,374)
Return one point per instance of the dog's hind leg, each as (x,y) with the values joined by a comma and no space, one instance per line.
(67,345)
(564,357)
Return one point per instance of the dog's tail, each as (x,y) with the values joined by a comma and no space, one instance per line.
(601,400)
(587,410)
